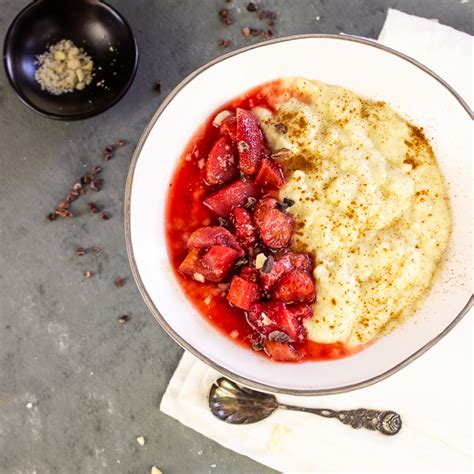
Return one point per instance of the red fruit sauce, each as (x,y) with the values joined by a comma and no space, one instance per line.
(186,212)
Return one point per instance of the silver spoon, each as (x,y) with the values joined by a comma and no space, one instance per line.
(240,405)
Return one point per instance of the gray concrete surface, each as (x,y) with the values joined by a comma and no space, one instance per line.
(95,386)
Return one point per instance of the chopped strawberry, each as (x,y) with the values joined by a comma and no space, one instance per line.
(296,286)
(221,164)
(229,127)
(233,195)
(284,263)
(249,142)
(282,352)
(219,260)
(245,230)
(243,293)
(275,226)
(249,273)
(270,174)
(266,318)
(206,237)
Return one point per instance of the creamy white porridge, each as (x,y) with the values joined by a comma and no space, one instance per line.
(372,203)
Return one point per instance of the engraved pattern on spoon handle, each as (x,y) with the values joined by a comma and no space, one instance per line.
(386,422)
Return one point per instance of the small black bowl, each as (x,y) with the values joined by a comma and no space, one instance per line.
(90,24)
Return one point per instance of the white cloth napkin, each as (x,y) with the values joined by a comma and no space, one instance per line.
(433,394)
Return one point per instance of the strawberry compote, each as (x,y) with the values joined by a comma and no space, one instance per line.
(230,236)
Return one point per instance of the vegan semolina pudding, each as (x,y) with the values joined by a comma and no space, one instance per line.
(305,221)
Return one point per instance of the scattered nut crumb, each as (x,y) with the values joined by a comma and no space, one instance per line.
(96,250)
(80,251)
(120,282)
(260,261)
(224,43)
(123,319)
(199,277)
(87,274)
(140,440)
(105,216)
(121,142)
(246,31)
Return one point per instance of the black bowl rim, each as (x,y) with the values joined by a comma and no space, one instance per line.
(149,302)
(57,116)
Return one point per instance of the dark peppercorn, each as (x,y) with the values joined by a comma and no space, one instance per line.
(157,87)
(251,7)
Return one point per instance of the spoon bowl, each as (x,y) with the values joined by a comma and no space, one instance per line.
(92,25)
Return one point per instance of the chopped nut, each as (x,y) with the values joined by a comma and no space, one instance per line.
(64,213)
(260,261)
(254,31)
(120,282)
(105,216)
(224,43)
(225,17)
(80,251)
(123,319)
(96,170)
(201,163)
(51,217)
(96,250)
(87,274)
(140,440)
(199,277)
(92,207)
(207,300)
(96,185)
(121,142)
(246,33)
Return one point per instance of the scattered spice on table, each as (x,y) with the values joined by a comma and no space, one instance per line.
(120,282)
(87,274)
(224,43)
(157,87)
(80,251)
(123,319)
(96,250)
(105,216)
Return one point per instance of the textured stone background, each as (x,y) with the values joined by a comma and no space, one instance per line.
(94,385)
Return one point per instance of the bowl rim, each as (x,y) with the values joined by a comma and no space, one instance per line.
(58,116)
(136,273)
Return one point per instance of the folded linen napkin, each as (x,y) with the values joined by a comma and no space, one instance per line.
(436,434)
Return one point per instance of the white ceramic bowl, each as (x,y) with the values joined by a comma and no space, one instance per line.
(370,70)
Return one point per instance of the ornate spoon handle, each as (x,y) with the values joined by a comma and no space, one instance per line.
(386,422)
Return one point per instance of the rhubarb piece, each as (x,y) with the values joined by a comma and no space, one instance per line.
(212,266)
(270,174)
(221,164)
(245,230)
(249,273)
(296,286)
(219,260)
(249,142)
(233,195)
(206,237)
(243,293)
(282,352)
(275,226)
